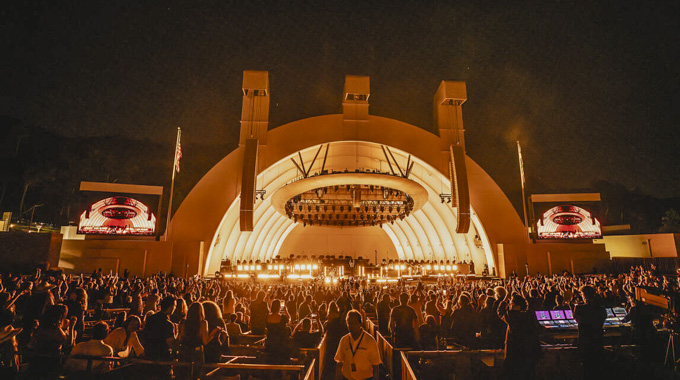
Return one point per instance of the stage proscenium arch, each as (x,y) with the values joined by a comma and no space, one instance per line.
(391,179)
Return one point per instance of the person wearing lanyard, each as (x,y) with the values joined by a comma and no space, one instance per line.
(357,356)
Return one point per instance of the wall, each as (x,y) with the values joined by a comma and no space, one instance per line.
(572,257)
(21,251)
(141,258)
(642,246)
(321,240)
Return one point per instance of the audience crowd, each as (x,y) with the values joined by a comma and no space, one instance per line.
(49,320)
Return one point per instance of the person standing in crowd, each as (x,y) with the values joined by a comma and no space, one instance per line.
(335,328)
(357,355)
(522,346)
(194,336)
(304,337)
(219,343)
(160,332)
(124,340)
(590,317)
(77,305)
(258,314)
(383,311)
(276,344)
(403,323)
(180,312)
(234,330)
(305,308)
(54,336)
(9,347)
(151,303)
(643,327)
(429,333)
(93,347)
(465,322)
(229,303)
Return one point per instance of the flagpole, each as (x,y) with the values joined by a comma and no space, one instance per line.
(172,186)
(524,199)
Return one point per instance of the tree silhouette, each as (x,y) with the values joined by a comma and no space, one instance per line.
(670,222)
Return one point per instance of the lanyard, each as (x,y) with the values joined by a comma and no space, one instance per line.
(354,351)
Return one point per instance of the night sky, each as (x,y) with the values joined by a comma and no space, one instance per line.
(589,88)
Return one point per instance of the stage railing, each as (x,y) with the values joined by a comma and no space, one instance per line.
(406,370)
(297,371)
(390,355)
(310,375)
(467,363)
(318,354)
(371,327)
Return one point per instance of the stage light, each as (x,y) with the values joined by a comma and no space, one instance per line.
(315,267)
(240,267)
(269,267)
(436,267)
(403,267)
(327,280)
(455,267)
(309,267)
(297,266)
(259,267)
(448,267)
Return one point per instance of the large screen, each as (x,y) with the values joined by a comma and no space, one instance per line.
(118,215)
(568,222)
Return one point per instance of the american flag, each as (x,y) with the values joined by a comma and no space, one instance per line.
(178,151)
